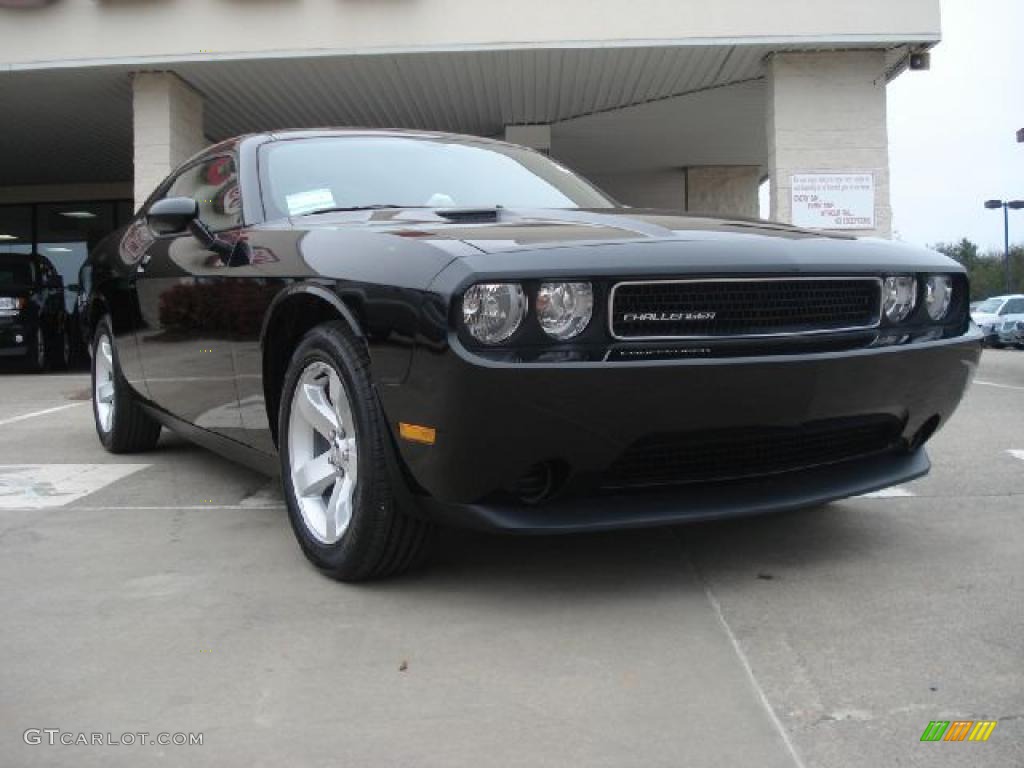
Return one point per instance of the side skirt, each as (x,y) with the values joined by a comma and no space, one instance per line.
(230,449)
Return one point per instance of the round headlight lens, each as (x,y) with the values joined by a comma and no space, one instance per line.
(900,297)
(493,311)
(564,309)
(938,295)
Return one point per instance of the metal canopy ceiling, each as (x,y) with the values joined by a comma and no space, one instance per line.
(74,124)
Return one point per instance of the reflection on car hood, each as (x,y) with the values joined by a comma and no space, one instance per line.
(609,241)
(522,229)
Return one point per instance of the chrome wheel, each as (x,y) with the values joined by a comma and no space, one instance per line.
(103,386)
(322,453)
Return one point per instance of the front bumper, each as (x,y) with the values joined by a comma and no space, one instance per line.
(495,421)
(10,346)
(686,504)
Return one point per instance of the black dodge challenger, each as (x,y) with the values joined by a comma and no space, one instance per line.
(419,328)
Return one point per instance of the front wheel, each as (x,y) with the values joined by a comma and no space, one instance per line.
(121,424)
(60,351)
(333,440)
(39,351)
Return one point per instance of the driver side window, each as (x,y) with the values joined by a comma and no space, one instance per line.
(213,183)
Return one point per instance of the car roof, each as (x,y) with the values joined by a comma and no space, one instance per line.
(403,133)
(346,131)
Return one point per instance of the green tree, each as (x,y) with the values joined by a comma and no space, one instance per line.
(986,269)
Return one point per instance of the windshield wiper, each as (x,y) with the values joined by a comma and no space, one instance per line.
(374,207)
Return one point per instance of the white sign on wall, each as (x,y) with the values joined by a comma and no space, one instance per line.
(834,200)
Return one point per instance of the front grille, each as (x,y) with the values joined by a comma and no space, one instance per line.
(725,308)
(730,454)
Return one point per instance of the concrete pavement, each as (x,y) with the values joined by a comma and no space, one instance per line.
(174,599)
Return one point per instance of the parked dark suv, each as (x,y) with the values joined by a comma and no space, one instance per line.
(33,321)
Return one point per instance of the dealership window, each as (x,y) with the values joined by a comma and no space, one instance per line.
(64,233)
(16,229)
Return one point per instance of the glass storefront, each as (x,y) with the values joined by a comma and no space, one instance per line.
(62,232)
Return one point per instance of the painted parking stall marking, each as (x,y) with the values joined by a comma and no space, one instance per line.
(1016,453)
(44,412)
(41,486)
(896,492)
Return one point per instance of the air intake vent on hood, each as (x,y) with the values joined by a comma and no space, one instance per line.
(470,215)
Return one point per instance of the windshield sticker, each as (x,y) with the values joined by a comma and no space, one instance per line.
(313,200)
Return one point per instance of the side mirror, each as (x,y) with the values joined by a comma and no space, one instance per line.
(172,215)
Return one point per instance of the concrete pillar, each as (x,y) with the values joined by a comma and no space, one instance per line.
(534,136)
(167,125)
(826,114)
(658,188)
(729,190)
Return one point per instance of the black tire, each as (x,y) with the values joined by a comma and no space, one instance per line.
(381,539)
(39,351)
(131,428)
(59,352)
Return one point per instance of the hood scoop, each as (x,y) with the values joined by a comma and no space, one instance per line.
(470,215)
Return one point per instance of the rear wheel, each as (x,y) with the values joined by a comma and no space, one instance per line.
(121,424)
(332,446)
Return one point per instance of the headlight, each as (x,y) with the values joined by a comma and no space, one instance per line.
(10,307)
(493,311)
(900,297)
(938,294)
(564,309)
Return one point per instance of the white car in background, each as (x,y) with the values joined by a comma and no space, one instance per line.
(991,314)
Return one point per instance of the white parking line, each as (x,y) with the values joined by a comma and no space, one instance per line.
(896,492)
(1001,386)
(32,415)
(1017,454)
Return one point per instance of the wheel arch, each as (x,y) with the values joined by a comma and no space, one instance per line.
(294,312)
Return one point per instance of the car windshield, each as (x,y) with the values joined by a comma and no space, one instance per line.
(15,272)
(989,306)
(302,176)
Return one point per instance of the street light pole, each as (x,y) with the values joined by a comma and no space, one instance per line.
(1006,246)
(1006,205)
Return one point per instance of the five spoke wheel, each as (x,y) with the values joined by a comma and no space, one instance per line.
(104,384)
(323,455)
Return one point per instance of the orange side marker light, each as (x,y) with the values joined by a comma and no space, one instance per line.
(415,433)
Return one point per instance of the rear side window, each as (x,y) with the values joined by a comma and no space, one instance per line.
(213,183)
(1013,307)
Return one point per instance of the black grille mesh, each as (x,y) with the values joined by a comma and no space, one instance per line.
(743,307)
(693,457)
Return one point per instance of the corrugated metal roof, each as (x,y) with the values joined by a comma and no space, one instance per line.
(75,124)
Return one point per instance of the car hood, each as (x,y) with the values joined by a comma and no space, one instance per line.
(622,240)
(16,290)
(529,230)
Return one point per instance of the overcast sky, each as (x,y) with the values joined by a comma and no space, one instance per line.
(952,130)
